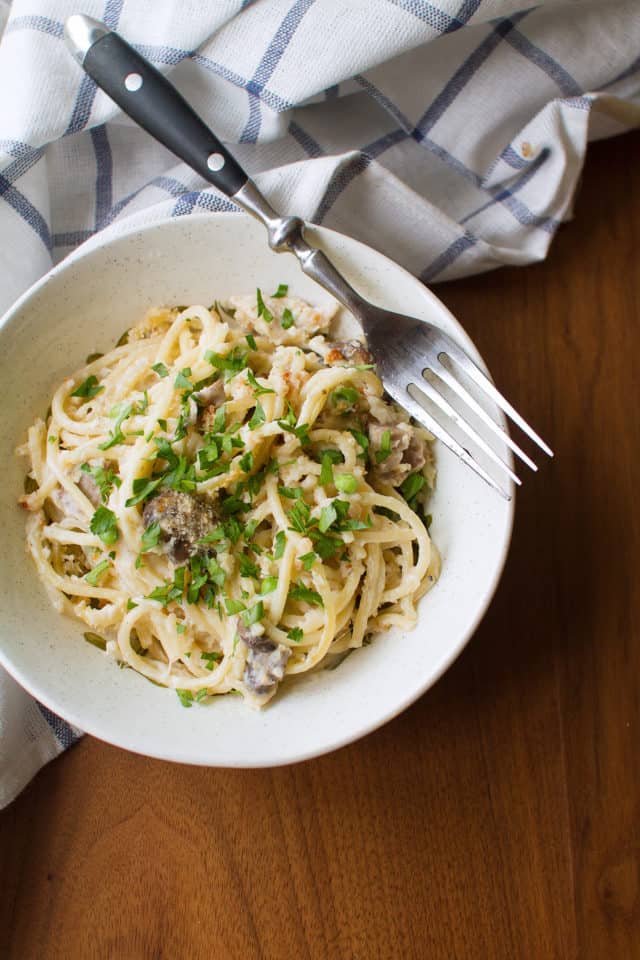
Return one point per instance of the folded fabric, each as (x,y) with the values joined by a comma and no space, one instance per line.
(449,135)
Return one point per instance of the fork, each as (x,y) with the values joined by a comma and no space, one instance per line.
(414,359)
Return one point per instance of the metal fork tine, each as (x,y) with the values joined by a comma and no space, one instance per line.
(436,397)
(454,353)
(418,412)
(482,414)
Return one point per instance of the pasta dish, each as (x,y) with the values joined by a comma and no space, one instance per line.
(227,498)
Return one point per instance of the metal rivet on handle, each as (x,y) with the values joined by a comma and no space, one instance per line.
(215,161)
(133,82)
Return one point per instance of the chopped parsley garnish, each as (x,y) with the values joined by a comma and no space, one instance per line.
(385,447)
(282,291)
(256,613)
(295,634)
(268,585)
(98,572)
(181,382)
(96,640)
(307,560)
(279,544)
(328,516)
(258,417)
(299,592)
(143,487)
(258,390)
(344,398)
(346,483)
(299,516)
(233,606)
(104,525)
(411,486)
(121,412)
(361,438)
(246,462)
(185,697)
(326,473)
(181,628)
(247,567)
(287,320)
(160,369)
(150,537)
(211,659)
(105,479)
(251,340)
(289,424)
(291,493)
(88,388)
(169,592)
(263,311)
(230,363)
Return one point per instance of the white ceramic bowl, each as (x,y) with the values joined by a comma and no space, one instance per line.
(82,306)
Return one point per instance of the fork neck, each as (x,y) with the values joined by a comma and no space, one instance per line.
(286,235)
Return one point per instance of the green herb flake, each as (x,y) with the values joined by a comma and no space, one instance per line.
(258,417)
(121,412)
(346,483)
(279,544)
(361,438)
(282,291)
(246,462)
(160,369)
(150,537)
(88,388)
(385,447)
(256,613)
(142,488)
(233,606)
(185,697)
(296,634)
(328,516)
(300,592)
(326,473)
(104,525)
(251,340)
(291,493)
(411,486)
(181,382)
(131,605)
(211,659)
(247,567)
(258,389)
(268,585)
(263,311)
(307,560)
(95,640)
(105,479)
(94,576)
(287,320)
(345,398)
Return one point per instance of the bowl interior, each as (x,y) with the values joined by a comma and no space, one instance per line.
(83,306)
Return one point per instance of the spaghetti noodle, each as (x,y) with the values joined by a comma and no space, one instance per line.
(227,498)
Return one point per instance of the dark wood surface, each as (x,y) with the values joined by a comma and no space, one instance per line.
(499,817)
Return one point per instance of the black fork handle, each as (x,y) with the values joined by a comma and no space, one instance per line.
(155,104)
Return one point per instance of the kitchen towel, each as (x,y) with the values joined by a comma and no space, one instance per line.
(450,135)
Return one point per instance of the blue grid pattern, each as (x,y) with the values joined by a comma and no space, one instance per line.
(439,20)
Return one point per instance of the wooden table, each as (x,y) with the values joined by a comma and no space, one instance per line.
(499,817)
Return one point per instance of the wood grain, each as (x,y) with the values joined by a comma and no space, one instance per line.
(497,818)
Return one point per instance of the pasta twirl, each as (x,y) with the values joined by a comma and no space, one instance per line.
(227,498)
